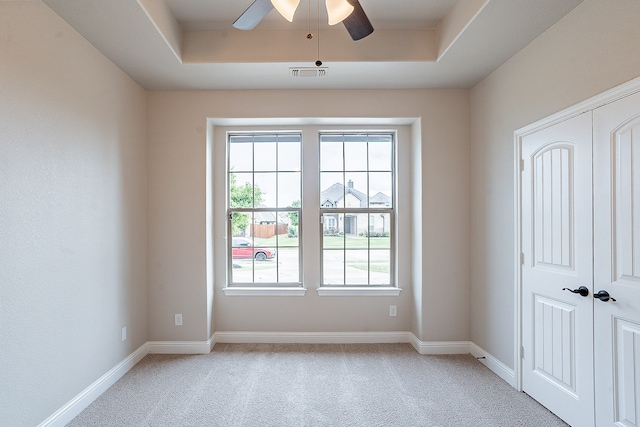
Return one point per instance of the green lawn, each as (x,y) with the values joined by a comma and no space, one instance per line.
(351,242)
(330,242)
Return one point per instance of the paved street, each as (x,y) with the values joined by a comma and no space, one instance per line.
(285,267)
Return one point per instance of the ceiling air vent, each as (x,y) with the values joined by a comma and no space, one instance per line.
(308,72)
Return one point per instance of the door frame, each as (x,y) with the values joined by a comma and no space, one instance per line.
(622,91)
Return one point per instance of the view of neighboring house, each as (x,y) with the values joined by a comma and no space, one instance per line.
(268,224)
(339,196)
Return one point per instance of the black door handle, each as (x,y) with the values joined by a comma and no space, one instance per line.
(603,296)
(582,290)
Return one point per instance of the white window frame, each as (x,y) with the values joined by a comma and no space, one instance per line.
(310,244)
(337,289)
(261,287)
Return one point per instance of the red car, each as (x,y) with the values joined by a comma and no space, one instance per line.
(243,248)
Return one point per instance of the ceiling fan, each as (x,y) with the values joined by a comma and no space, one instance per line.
(349,12)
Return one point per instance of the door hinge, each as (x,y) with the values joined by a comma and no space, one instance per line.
(521,165)
(521,258)
(521,352)
(230,216)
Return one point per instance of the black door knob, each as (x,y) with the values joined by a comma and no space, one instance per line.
(603,296)
(582,290)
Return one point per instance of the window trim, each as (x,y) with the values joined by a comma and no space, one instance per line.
(257,288)
(271,291)
(310,245)
(357,291)
(363,289)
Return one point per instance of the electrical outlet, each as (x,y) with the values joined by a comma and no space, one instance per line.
(393,310)
(178,319)
(124,333)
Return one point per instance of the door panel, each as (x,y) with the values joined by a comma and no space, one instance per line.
(554,351)
(617,261)
(626,371)
(553,226)
(557,245)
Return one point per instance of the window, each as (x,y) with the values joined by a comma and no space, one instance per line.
(264,200)
(357,208)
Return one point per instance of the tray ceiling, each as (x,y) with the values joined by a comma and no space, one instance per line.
(191,44)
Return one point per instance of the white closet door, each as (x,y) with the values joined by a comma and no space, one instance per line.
(557,244)
(617,262)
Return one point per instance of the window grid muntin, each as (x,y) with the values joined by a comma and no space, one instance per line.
(250,138)
(343,137)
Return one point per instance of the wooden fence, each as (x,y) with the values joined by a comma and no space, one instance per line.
(265,231)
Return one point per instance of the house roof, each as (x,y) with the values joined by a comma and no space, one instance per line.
(260,217)
(270,217)
(337,192)
(380,199)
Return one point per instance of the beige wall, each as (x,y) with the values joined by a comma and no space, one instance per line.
(177,216)
(75,204)
(592,49)
(314,313)
(72,214)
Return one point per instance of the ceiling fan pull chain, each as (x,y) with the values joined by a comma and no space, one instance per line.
(318,62)
(309,34)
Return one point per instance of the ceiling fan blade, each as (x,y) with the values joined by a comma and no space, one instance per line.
(253,15)
(357,24)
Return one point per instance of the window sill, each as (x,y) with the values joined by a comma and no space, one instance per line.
(346,291)
(259,291)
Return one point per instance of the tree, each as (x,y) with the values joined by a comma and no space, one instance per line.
(293,216)
(242,196)
(293,220)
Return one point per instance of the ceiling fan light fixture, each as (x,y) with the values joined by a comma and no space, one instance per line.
(338,10)
(287,8)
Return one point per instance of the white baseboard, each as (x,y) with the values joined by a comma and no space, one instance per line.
(422,347)
(181,347)
(311,337)
(69,411)
(440,347)
(499,368)
(76,405)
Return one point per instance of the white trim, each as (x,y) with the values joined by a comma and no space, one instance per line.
(312,337)
(517,295)
(354,291)
(422,347)
(612,95)
(604,98)
(499,368)
(439,347)
(364,122)
(76,405)
(69,411)
(239,291)
(181,347)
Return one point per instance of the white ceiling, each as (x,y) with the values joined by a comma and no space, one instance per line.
(220,14)
(191,44)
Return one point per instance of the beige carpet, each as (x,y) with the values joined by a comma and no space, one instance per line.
(313,385)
